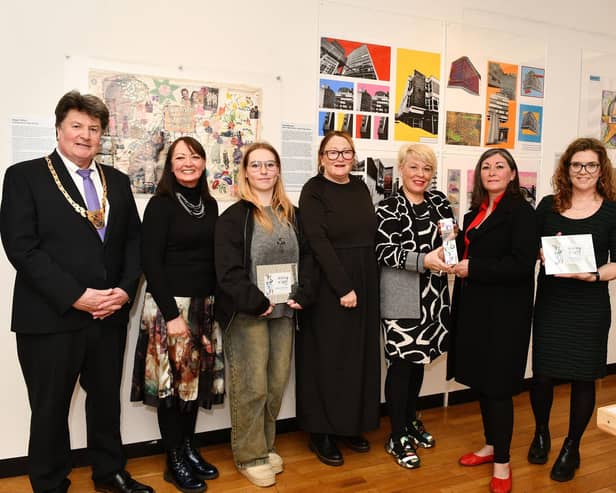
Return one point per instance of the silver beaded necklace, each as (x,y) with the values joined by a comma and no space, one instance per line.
(197,210)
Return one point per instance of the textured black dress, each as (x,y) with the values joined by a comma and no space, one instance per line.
(572,317)
(338,349)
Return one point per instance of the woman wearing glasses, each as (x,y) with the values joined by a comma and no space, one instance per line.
(337,358)
(572,311)
(257,239)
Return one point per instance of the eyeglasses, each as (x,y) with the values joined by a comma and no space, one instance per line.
(259,165)
(333,154)
(590,168)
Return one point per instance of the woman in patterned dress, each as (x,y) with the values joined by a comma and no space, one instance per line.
(415,301)
(179,364)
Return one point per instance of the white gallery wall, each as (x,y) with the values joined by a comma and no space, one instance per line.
(273,44)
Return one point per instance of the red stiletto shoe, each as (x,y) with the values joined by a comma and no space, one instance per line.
(472,459)
(498,485)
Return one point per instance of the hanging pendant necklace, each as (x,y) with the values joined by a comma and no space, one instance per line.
(96,217)
(197,210)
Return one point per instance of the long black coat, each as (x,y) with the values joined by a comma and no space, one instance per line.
(492,307)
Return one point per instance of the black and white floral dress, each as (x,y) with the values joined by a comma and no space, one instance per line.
(407,229)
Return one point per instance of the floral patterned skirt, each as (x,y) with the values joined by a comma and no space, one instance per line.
(182,371)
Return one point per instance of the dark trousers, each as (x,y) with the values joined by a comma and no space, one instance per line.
(497,417)
(51,365)
(402,386)
(176,426)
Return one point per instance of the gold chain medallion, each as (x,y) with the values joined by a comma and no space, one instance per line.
(96,217)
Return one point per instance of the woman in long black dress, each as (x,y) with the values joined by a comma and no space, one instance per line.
(572,311)
(414,295)
(492,305)
(179,360)
(338,354)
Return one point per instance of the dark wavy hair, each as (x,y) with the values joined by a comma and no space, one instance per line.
(167,184)
(561,182)
(479,192)
(84,103)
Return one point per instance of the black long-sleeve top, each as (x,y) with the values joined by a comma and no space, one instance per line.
(178,250)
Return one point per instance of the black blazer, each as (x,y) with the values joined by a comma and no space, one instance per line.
(58,254)
(492,307)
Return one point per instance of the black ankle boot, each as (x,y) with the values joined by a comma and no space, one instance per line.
(180,474)
(540,446)
(568,461)
(324,446)
(201,468)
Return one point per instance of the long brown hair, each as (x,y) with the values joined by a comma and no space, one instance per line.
(281,205)
(561,182)
(167,184)
(479,192)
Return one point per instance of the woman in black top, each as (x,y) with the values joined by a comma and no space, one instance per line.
(179,360)
(572,311)
(338,358)
(492,304)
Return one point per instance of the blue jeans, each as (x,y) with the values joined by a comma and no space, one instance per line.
(258,353)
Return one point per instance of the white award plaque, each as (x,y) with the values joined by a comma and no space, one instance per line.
(277,281)
(568,254)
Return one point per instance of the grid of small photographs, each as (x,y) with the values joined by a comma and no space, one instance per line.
(354,88)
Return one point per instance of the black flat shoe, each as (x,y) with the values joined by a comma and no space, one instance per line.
(324,446)
(566,464)
(201,468)
(539,447)
(121,482)
(357,443)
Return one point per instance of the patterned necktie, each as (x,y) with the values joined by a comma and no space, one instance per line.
(91,196)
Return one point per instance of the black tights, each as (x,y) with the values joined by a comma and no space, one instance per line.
(581,404)
(175,426)
(402,387)
(497,416)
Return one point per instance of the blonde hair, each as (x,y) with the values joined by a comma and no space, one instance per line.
(281,205)
(421,152)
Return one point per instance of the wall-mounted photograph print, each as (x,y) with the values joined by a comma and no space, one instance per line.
(363,126)
(453,191)
(354,59)
(335,94)
(463,129)
(464,75)
(608,119)
(531,120)
(372,98)
(528,186)
(531,81)
(417,95)
(327,122)
(500,118)
(344,123)
(380,128)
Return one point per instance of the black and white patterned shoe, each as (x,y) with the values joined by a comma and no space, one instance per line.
(403,451)
(418,434)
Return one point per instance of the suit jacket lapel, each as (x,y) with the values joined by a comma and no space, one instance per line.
(496,217)
(69,186)
(66,180)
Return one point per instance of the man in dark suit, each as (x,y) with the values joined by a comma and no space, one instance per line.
(73,237)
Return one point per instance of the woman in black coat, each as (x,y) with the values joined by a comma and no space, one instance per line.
(492,304)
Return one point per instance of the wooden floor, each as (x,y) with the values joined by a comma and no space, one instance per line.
(457,430)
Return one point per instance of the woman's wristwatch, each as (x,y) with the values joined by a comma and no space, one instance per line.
(597,276)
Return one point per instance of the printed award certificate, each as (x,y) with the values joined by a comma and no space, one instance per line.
(277,281)
(568,254)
